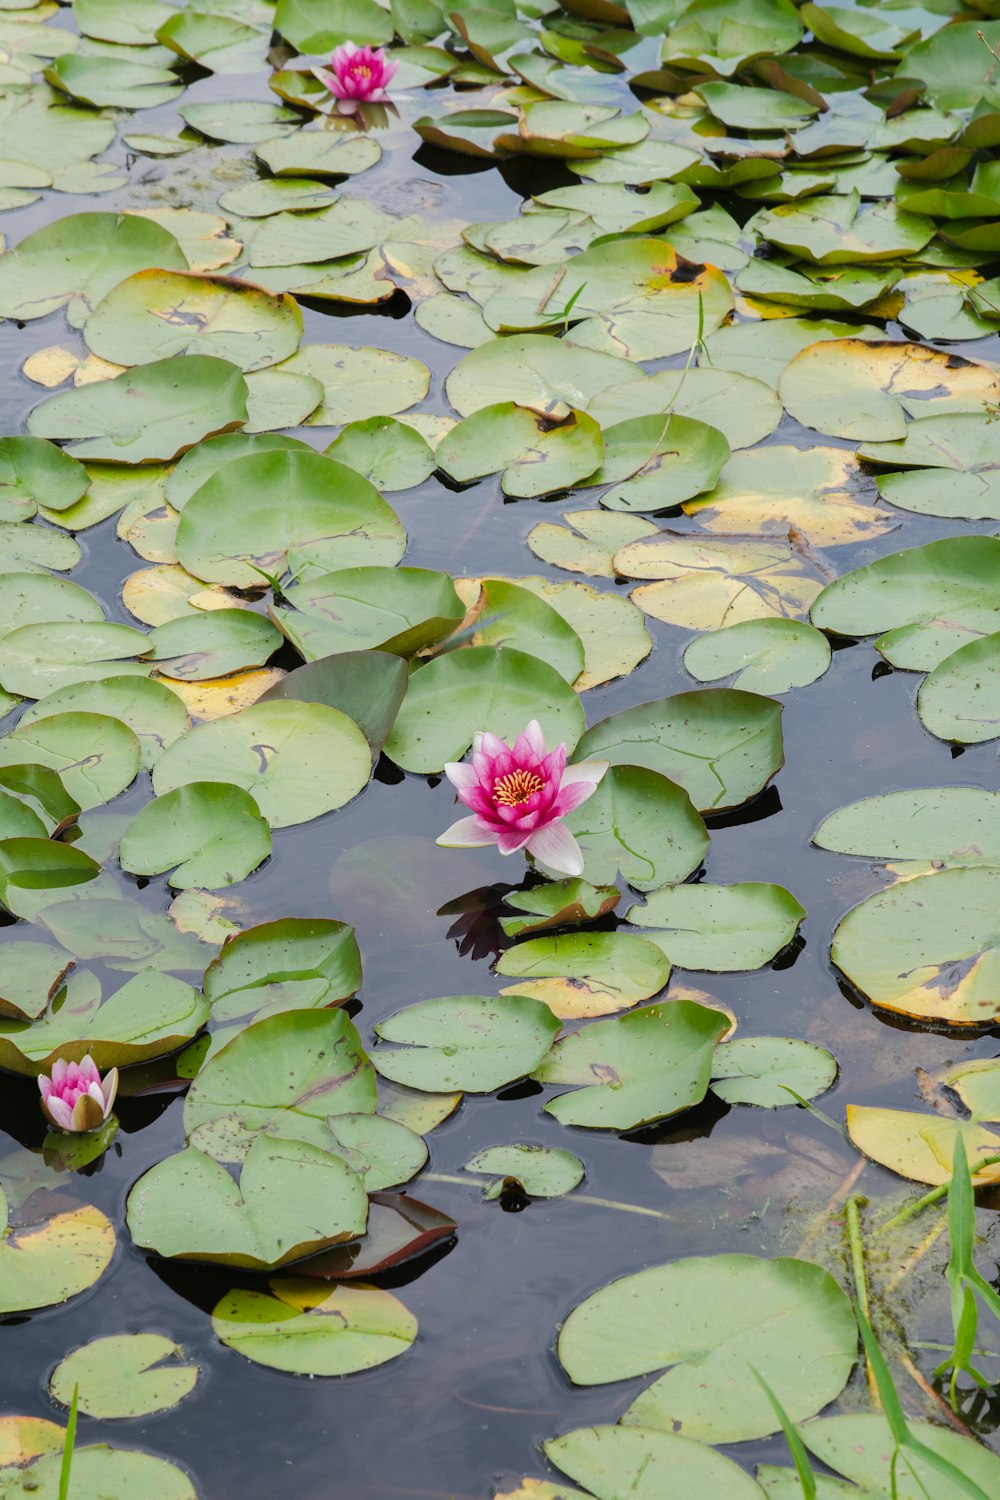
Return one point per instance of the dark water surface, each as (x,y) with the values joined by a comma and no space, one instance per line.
(465,1407)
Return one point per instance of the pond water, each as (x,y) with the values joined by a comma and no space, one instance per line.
(463,1412)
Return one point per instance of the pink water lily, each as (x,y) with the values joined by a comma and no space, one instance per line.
(519,796)
(359,73)
(76,1098)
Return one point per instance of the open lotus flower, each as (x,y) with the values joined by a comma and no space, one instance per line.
(519,796)
(362,74)
(75,1098)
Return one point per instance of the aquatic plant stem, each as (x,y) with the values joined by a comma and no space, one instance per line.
(625,1208)
(919,1379)
(928,1199)
(857,1249)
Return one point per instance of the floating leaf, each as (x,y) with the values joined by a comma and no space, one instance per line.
(309,1330)
(51,1253)
(764,349)
(292,1200)
(542,1171)
(390,455)
(720,745)
(318,153)
(96,756)
(113,82)
(744,409)
(725,34)
(512,616)
(212,832)
(643,1066)
(359,383)
(125,1375)
(536,371)
(76,260)
(399,1229)
(297,760)
(770,1071)
(954,825)
(589,541)
(836,229)
(861,1447)
(115,1473)
(481,688)
(366,686)
(402,610)
(158,314)
(33,549)
(40,659)
(538,453)
(155,411)
(720,927)
(558,903)
(958,700)
(955,462)
(767,656)
(256,511)
(706,583)
(213,644)
(927,600)
(588,974)
(922,1146)
(657,462)
(242,122)
(716,1320)
(605,1458)
(32,473)
(465,1042)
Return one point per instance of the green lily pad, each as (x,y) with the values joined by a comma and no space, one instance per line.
(34,549)
(41,792)
(522,619)
(580,974)
(34,472)
(294,956)
(949,467)
(536,371)
(558,903)
(722,746)
(383,1152)
(952,825)
(606,1458)
(96,756)
(927,947)
(766,656)
(256,511)
(641,825)
(76,260)
(257,200)
(216,42)
(958,700)
(393,609)
(465,1042)
(725,34)
(150,1015)
(763,350)
(367,686)
(157,314)
(860,1447)
(743,409)
(711,1319)
(112,82)
(952,66)
(241,122)
(115,1473)
(652,160)
(708,582)
(153,412)
(359,383)
(770,1071)
(538,453)
(33,870)
(456,696)
(309,1329)
(213,833)
(657,462)
(720,927)
(837,230)
(636,1068)
(926,601)
(125,1375)
(390,455)
(200,463)
(212,644)
(318,153)
(280,1077)
(123,934)
(155,715)
(297,760)
(590,540)
(310,27)
(51,1252)
(40,659)
(292,1200)
(109,21)
(542,1171)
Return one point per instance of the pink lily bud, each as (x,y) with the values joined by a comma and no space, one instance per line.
(75,1098)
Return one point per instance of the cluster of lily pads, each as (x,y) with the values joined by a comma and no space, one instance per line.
(748,190)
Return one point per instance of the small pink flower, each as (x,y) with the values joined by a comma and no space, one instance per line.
(361,73)
(519,796)
(75,1098)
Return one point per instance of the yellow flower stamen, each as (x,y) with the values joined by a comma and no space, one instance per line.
(516,787)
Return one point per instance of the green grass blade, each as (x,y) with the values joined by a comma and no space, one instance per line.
(68,1446)
(800,1458)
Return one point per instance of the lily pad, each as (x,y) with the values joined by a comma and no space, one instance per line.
(76,260)
(958,700)
(465,1042)
(579,975)
(720,927)
(158,314)
(657,462)
(769,1071)
(558,903)
(707,583)
(636,1068)
(949,467)
(711,1318)
(153,412)
(538,453)
(536,371)
(34,472)
(766,656)
(860,1447)
(292,1200)
(951,825)
(481,688)
(520,617)
(112,82)
(606,1458)
(310,1330)
(51,1252)
(40,659)
(213,833)
(318,153)
(367,687)
(359,383)
(125,1375)
(297,760)
(542,1171)
(393,609)
(96,756)
(155,715)
(390,455)
(115,1473)
(722,746)
(259,511)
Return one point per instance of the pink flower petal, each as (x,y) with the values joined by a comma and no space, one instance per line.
(512,839)
(572,796)
(556,847)
(59,1112)
(467,833)
(461,776)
